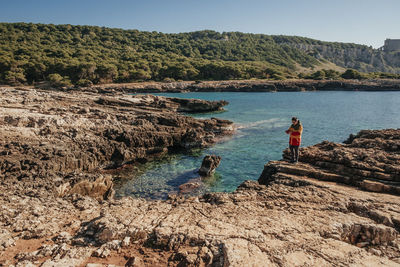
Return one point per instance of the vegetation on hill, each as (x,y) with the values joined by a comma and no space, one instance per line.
(85,55)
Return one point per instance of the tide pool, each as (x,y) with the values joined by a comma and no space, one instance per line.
(261,120)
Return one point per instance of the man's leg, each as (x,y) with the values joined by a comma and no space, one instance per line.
(296,153)
(292,152)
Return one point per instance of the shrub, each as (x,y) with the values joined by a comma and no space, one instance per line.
(15,76)
(168,80)
(57,80)
(84,83)
(318,75)
(352,74)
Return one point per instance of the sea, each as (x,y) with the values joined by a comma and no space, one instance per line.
(261,119)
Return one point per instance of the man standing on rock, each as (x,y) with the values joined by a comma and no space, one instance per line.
(295,131)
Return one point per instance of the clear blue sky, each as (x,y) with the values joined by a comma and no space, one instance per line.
(359,21)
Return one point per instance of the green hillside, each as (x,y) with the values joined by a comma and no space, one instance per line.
(84,55)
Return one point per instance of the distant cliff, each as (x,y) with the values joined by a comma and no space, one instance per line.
(359,57)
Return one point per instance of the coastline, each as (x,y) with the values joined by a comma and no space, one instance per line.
(250,86)
(58,208)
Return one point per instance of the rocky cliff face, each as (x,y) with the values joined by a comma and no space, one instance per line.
(358,57)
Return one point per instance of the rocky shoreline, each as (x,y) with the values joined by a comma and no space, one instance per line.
(54,137)
(339,206)
(251,86)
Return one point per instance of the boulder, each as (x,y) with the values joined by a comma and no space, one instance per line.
(209,164)
(101,188)
(190,186)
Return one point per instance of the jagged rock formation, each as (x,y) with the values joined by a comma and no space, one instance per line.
(370,160)
(206,171)
(209,164)
(50,137)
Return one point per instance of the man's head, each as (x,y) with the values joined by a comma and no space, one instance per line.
(294,120)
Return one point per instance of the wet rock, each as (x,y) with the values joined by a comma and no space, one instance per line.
(207,169)
(190,186)
(209,164)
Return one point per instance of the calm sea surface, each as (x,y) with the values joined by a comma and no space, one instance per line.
(261,119)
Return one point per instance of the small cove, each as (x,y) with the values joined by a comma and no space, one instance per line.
(261,119)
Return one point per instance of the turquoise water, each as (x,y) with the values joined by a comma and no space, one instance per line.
(262,119)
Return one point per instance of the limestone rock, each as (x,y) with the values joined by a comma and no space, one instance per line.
(367,234)
(190,186)
(209,164)
(315,213)
(207,169)
(6,239)
(101,188)
(369,160)
(240,252)
(55,133)
(198,105)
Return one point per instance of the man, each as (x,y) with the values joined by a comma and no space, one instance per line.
(295,131)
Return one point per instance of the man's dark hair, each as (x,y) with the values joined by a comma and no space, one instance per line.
(294,119)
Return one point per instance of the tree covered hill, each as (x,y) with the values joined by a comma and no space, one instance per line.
(88,54)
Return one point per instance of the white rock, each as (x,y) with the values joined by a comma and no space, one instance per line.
(126,242)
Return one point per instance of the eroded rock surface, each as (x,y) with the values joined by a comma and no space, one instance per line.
(370,160)
(51,138)
(296,222)
(298,215)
